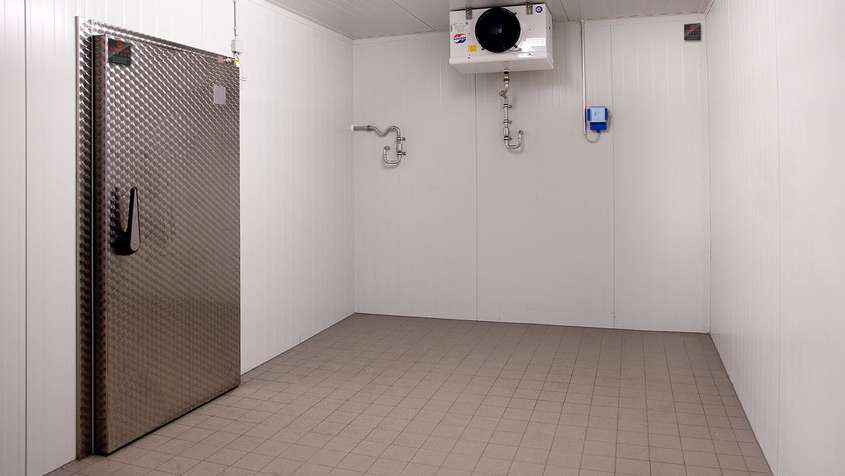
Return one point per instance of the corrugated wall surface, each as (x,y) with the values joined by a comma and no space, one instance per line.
(661,203)
(467,230)
(779,223)
(415,224)
(545,236)
(296,178)
(12,238)
(745,206)
(811,65)
(296,181)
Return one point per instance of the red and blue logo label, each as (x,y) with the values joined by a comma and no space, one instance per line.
(459,38)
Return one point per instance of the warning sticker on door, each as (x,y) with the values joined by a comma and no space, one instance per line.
(120,52)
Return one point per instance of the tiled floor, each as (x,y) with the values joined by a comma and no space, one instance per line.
(385,396)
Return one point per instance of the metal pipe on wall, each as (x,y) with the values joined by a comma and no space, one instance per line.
(385,155)
(584,87)
(237,45)
(506,130)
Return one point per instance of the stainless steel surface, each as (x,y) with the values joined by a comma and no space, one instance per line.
(385,155)
(165,320)
(506,130)
(84,235)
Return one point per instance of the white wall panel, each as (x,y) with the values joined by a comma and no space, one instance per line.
(812,97)
(660,177)
(778,223)
(545,225)
(745,204)
(543,218)
(415,224)
(51,236)
(12,239)
(297,259)
(296,181)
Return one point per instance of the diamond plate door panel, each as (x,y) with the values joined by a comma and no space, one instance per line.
(165,227)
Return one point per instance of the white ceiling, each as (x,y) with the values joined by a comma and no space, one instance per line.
(602,9)
(371,18)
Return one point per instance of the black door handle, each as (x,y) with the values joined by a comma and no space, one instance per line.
(129,240)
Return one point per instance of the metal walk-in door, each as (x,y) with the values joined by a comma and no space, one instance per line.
(165,234)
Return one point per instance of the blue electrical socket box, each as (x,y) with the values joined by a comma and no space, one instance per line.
(597,118)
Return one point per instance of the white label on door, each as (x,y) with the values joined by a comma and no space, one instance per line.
(219,95)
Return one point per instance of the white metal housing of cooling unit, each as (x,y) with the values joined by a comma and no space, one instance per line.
(493,40)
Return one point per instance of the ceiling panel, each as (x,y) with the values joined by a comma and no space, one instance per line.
(435,13)
(371,18)
(603,9)
(358,18)
(555,6)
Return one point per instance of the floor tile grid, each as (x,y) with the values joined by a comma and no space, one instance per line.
(310,359)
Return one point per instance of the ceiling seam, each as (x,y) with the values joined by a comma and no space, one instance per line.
(409,12)
(566,15)
(286,9)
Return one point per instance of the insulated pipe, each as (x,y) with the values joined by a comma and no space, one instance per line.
(584,87)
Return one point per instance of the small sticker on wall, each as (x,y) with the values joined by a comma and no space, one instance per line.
(692,32)
(472,48)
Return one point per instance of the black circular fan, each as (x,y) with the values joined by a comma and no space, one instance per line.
(497,30)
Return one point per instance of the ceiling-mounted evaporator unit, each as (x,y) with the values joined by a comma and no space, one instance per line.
(497,39)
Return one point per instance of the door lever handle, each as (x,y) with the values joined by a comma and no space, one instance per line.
(129,240)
